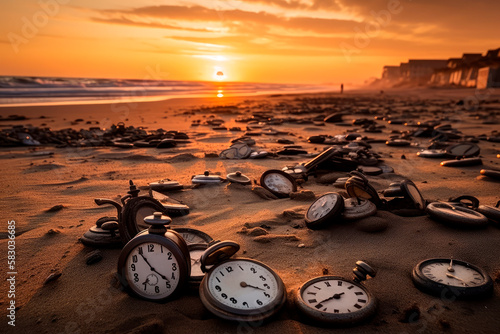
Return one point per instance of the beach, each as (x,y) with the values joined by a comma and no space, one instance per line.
(86,298)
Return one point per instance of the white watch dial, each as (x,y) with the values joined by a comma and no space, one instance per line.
(322,206)
(335,296)
(453,275)
(152,270)
(278,183)
(243,285)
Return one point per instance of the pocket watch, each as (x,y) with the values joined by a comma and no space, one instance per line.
(278,182)
(133,215)
(358,186)
(155,265)
(358,208)
(456,215)
(443,276)
(207,178)
(193,236)
(238,177)
(195,253)
(334,300)
(239,289)
(324,210)
(463,150)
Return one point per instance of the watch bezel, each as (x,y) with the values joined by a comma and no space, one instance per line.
(286,175)
(340,319)
(174,245)
(326,219)
(228,313)
(425,284)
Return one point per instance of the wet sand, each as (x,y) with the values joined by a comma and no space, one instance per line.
(87,299)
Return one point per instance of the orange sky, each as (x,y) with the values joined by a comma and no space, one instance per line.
(292,41)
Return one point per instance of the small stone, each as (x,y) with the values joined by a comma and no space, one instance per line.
(93,257)
(301,246)
(295,226)
(53,231)
(55,208)
(303,195)
(403,157)
(52,277)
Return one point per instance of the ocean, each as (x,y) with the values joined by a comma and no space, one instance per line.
(20,91)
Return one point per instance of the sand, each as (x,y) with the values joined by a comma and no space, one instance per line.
(87,299)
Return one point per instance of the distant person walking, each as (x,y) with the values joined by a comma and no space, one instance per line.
(341,88)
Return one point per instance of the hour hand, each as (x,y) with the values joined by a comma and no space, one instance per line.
(244,285)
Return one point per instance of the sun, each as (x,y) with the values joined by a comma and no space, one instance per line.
(219,74)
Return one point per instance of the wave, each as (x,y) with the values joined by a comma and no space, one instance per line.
(53,90)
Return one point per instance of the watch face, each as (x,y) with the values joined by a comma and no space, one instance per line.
(335,300)
(193,236)
(324,209)
(413,194)
(456,215)
(152,271)
(438,276)
(278,182)
(358,186)
(195,253)
(242,289)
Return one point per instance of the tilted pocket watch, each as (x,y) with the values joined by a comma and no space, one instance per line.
(442,277)
(155,265)
(239,289)
(334,300)
(278,182)
(324,210)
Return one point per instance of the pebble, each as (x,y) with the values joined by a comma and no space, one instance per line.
(301,246)
(93,257)
(55,208)
(52,277)
(53,231)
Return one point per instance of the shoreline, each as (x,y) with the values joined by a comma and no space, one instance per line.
(87,297)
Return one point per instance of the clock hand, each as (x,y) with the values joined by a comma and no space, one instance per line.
(450,268)
(244,285)
(455,277)
(335,296)
(153,269)
(146,281)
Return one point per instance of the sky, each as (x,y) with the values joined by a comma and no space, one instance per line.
(280,41)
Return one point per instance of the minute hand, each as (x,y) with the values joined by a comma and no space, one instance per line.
(455,277)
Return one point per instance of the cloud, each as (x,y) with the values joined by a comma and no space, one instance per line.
(231,18)
(297,4)
(126,21)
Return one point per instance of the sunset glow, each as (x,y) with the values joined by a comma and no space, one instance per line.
(290,41)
